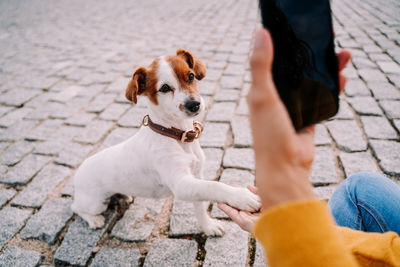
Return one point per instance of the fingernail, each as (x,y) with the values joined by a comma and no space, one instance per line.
(259,38)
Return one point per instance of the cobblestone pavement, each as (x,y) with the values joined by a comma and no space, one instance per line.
(63,71)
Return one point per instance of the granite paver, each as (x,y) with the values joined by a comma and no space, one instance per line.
(62,97)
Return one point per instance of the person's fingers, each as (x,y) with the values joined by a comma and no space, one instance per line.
(252,189)
(343,58)
(231,212)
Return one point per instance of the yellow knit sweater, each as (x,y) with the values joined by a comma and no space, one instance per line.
(304,234)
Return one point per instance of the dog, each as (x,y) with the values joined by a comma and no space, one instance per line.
(164,157)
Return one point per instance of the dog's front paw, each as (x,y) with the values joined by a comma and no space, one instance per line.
(213,228)
(245,200)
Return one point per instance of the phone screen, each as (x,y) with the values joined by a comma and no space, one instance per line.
(305,67)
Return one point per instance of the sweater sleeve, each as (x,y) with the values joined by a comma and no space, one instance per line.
(373,249)
(302,233)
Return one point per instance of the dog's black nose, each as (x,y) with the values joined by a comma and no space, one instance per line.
(192,105)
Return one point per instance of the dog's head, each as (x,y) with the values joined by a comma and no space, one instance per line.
(170,85)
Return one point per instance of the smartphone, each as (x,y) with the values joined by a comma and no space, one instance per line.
(305,68)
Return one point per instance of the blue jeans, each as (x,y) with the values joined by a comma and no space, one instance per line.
(368,202)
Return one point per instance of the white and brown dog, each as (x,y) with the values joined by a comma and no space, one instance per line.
(160,160)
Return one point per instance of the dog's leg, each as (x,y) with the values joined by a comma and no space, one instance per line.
(89,209)
(211,227)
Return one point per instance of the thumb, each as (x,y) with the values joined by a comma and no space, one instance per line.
(262,56)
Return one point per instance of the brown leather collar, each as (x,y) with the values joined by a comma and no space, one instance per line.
(183,136)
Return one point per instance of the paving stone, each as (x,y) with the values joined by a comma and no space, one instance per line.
(79,242)
(121,257)
(133,117)
(44,130)
(80,119)
(324,192)
(118,85)
(321,136)
(49,148)
(17,97)
(371,75)
(68,189)
(231,82)
(23,172)
(221,112)
(45,110)
(11,221)
(232,177)
(214,135)
(138,221)
(73,155)
(389,67)
(378,128)
(207,88)
(100,103)
(391,108)
(227,95)
(114,111)
(241,132)
(5,110)
(357,162)
(365,106)
(259,258)
(384,90)
(67,94)
(94,132)
(213,163)
(17,130)
(14,256)
(6,195)
(172,252)
(15,153)
(43,184)
(242,158)
(235,69)
(388,154)
(243,108)
(229,250)
(47,224)
(14,116)
(117,136)
(347,135)
(183,220)
(323,169)
(397,125)
(213,75)
(66,133)
(344,111)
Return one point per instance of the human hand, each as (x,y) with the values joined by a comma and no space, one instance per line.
(283,156)
(244,219)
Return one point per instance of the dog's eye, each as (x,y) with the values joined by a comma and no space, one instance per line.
(165,88)
(191,77)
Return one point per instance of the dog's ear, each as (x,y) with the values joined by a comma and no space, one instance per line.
(194,63)
(136,85)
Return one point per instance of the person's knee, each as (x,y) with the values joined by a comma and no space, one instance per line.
(363,181)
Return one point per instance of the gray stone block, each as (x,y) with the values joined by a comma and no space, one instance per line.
(221,112)
(133,117)
(365,105)
(80,119)
(214,135)
(100,103)
(67,94)
(116,257)
(229,250)
(66,133)
(16,257)
(241,158)
(49,148)
(17,97)
(391,108)
(207,88)
(235,69)
(323,169)
(371,75)
(114,111)
(378,128)
(15,116)
(17,130)
(172,252)
(73,155)
(227,95)
(6,195)
(15,153)
(183,220)
(49,221)
(68,189)
(260,259)
(43,184)
(397,125)
(213,163)
(79,242)
(243,108)
(389,67)
(241,132)
(94,132)
(344,111)
(138,221)
(324,192)
(357,162)
(321,135)
(44,130)
(384,90)
(118,85)
(388,154)
(23,172)
(11,221)
(347,135)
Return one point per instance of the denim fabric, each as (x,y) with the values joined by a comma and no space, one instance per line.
(367,201)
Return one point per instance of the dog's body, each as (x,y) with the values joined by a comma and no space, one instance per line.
(152,165)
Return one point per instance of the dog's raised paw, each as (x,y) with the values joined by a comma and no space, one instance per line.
(213,228)
(245,200)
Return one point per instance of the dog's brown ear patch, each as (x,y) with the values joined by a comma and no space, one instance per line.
(136,85)
(194,63)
